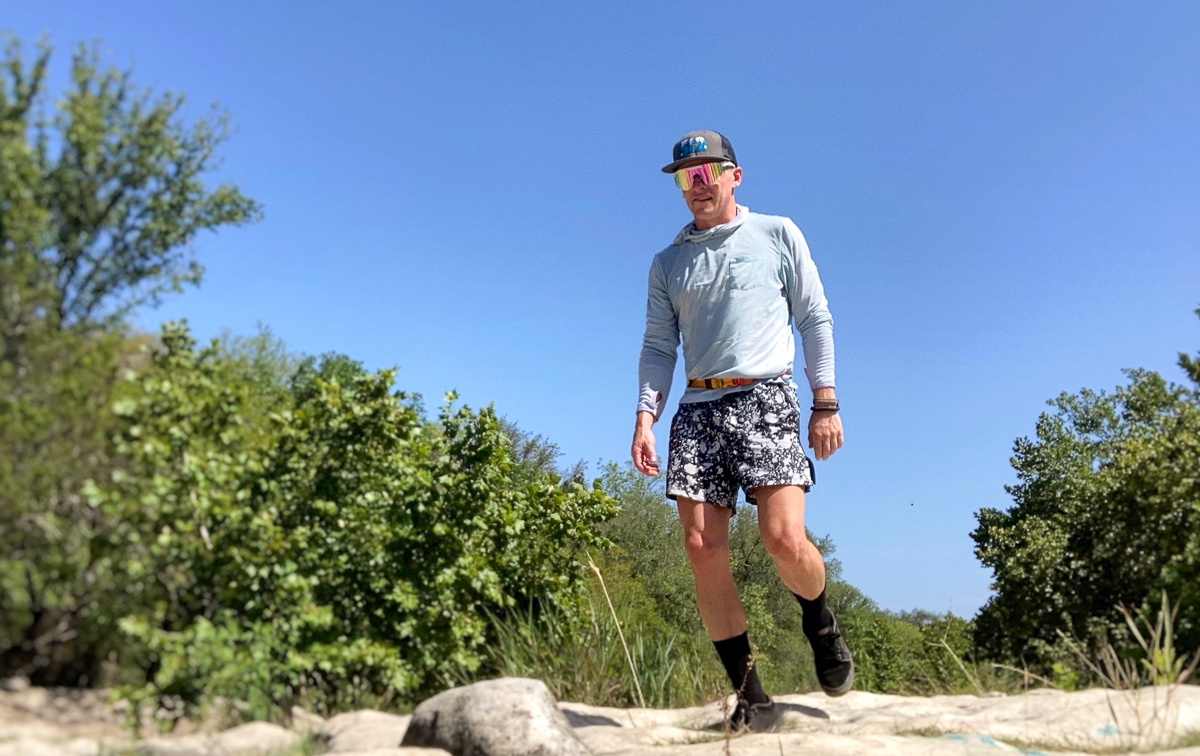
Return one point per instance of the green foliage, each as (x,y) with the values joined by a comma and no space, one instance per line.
(54,424)
(104,196)
(535,456)
(1107,514)
(330,368)
(1064,677)
(532,451)
(350,551)
(931,656)
(580,656)
(264,359)
(101,199)
(648,540)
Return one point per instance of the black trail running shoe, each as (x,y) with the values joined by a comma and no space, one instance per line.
(835,668)
(753,717)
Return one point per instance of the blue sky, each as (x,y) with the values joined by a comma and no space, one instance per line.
(1002,198)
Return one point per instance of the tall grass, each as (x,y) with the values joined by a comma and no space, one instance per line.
(620,634)
(1144,683)
(583,657)
(586,661)
(1158,663)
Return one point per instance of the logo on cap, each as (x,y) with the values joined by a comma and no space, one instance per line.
(690,146)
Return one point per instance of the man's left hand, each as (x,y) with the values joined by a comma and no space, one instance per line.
(824,433)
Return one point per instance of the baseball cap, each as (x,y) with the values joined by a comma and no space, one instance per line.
(700,144)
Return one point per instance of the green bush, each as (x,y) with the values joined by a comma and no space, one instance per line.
(101,197)
(1106,513)
(918,655)
(54,589)
(345,550)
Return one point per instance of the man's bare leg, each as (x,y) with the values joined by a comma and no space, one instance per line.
(706,538)
(781,525)
(802,569)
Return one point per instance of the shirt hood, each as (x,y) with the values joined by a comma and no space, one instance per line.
(690,234)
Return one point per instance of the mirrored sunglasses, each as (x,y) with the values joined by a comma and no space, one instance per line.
(705,173)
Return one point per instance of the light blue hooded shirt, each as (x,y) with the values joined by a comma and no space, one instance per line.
(732,293)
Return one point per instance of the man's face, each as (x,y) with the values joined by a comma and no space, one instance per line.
(712,204)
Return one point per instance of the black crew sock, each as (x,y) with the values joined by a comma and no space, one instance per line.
(817,616)
(735,656)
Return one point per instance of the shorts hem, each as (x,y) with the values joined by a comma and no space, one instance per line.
(675,494)
(807,487)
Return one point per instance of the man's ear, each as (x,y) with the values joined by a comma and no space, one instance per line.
(737,175)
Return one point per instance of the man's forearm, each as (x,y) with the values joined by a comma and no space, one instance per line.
(644,419)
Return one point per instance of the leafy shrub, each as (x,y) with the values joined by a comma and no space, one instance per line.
(926,655)
(54,423)
(1106,513)
(101,197)
(347,550)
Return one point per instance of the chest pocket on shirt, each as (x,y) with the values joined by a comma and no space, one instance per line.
(750,273)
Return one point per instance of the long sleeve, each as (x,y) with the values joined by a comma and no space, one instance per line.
(656,365)
(810,310)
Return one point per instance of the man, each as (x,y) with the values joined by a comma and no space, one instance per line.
(731,284)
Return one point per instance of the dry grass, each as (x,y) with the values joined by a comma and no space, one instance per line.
(1143,725)
(629,658)
(1140,693)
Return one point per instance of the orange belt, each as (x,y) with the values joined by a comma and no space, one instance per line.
(720,383)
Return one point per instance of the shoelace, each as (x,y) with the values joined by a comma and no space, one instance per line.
(830,644)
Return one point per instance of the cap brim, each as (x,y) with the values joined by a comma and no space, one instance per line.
(697,160)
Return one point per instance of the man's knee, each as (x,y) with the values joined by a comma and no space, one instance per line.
(785,545)
(705,552)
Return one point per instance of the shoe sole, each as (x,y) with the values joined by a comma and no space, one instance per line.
(845,688)
(766,721)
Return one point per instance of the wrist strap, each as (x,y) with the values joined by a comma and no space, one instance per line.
(825,407)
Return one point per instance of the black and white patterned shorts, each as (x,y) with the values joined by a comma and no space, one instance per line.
(746,438)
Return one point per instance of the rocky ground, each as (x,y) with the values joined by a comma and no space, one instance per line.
(512,717)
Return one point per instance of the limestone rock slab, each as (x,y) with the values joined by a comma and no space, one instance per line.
(1093,721)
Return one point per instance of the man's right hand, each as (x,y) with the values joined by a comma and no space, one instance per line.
(644,458)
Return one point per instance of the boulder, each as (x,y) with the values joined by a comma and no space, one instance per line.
(305,722)
(253,739)
(365,730)
(505,717)
(72,747)
(14,684)
(184,745)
